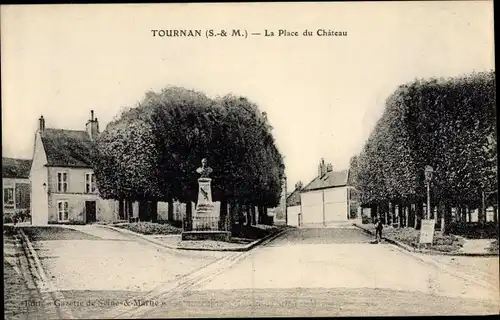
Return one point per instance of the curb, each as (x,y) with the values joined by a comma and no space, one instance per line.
(160,243)
(50,294)
(427,251)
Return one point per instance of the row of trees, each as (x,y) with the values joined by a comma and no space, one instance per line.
(449,124)
(151,152)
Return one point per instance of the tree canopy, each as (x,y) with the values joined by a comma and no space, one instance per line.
(449,124)
(152,151)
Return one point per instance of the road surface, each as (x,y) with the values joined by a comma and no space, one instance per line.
(328,272)
(305,272)
(95,268)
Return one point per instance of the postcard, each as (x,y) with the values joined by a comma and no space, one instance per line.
(249,159)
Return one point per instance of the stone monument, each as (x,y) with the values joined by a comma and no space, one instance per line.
(204,217)
(205,220)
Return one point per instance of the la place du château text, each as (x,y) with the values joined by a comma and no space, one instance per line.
(193,33)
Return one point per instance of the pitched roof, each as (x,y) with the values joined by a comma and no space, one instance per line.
(329,180)
(293,199)
(67,148)
(16,168)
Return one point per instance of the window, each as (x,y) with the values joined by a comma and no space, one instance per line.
(89,183)
(62,210)
(62,181)
(8,197)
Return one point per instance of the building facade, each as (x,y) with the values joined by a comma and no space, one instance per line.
(63,183)
(328,198)
(62,180)
(16,186)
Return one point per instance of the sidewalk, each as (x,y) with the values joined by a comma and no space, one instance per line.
(471,247)
(477,268)
(22,298)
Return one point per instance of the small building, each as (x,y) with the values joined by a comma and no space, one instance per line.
(63,184)
(293,206)
(62,180)
(328,198)
(16,185)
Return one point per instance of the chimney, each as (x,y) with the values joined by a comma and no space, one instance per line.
(321,168)
(329,167)
(41,124)
(298,185)
(92,126)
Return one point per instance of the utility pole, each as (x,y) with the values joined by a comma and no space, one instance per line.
(428,201)
(428,177)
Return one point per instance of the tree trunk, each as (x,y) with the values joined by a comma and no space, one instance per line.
(469,214)
(230,218)
(189,211)
(394,213)
(223,215)
(495,212)
(244,209)
(386,218)
(440,214)
(411,215)
(153,210)
(170,210)
(261,214)
(447,219)
(121,209)
(419,212)
(481,216)
(254,215)
(405,216)
(401,214)
(143,211)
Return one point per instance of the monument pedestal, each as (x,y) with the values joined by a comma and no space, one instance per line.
(205,220)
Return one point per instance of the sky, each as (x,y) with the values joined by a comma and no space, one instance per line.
(323,95)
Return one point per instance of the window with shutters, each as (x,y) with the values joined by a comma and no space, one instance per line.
(62,182)
(89,182)
(62,210)
(8,197)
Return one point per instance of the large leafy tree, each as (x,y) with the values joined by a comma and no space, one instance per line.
(449,124)
(153,150)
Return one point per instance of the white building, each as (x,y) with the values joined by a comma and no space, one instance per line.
(327,199)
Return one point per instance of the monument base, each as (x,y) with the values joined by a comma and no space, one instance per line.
(207,235)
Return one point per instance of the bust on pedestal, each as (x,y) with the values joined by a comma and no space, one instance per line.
(204,217)
(205,220)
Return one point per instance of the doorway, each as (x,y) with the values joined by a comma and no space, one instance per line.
(90,211)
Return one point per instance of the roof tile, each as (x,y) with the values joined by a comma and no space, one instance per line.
(67,148)
(16,168)
(329,180)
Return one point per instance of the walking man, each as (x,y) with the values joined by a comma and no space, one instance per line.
(378,230)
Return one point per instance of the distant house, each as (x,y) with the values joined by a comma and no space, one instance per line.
(293,206)
(16,184)
(328,198)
